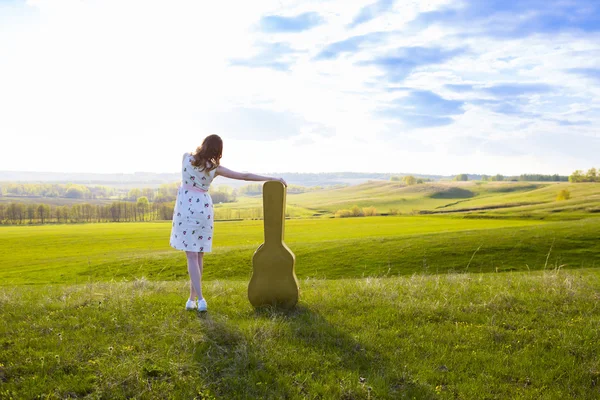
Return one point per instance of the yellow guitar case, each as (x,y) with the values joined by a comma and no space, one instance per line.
(273,281)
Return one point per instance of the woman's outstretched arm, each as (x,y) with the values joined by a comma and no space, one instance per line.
(245,176)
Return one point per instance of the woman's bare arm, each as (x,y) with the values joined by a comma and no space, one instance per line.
(245,176)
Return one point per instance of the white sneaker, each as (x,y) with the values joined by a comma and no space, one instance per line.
(202,306)
(191,305)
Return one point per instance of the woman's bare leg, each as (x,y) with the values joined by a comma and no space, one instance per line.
(194,273)
(200,270)
(192,291)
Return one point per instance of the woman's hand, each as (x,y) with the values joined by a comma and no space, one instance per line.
(282,181)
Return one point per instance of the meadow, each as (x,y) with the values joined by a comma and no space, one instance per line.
(325,248)
(497,302)
(532,200)
(508,335)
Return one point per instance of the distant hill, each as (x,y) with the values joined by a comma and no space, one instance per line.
(149,179)
(87,178)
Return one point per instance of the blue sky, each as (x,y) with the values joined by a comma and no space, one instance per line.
(438,87)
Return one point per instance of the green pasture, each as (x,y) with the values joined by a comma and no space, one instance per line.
(531,200)
(496,199)
(500,302)
(325,248)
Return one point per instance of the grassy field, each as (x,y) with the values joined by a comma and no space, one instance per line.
(325,248)
(529,335)
(500,301)
(532,200)
(482,199)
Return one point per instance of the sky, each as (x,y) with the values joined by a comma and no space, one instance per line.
(432,87)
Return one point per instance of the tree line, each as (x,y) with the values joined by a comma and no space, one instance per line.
(591,175)
(165,193)
(15,213)
(53,190)
(520,178)
(255,189)
(409,180)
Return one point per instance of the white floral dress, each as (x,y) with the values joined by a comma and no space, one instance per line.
(193,215)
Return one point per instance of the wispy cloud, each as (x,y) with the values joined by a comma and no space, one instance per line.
(496,18)
(372,11)
(593,73)
(573,123)
(420,109)
(351,45)
(404,60)
(459,87)
(511,106)
(429,103)
(517,89)
(298,23)
(275,56)
(415,121)
(511,98)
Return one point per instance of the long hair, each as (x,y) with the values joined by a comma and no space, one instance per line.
(208,155)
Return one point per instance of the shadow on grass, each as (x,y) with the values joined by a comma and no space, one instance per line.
(296,354)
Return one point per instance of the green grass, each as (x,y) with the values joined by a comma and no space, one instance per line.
(324,248)
(525,335)
(252,208)
(391,307)
(493,199)
(330,248)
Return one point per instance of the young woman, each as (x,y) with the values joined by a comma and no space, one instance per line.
(193,217)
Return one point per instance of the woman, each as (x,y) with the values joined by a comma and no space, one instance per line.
(193,217)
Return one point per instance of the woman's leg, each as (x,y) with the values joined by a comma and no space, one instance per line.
(200,270)
(192,291)
(194,272)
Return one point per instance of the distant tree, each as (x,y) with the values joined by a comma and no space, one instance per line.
(149,193)
(134,194)
(87,212)
(497,178)
(250,190)
(395,178)
(369,211)
(31,212)
(343,213)
(142,205)
(409,180)
(76,192)
(167,192)
(485,177)
(75,213)
(563,195)
(461,177)
(542,178)
(591,175)
(357,211)
(576,176)
(43,211)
